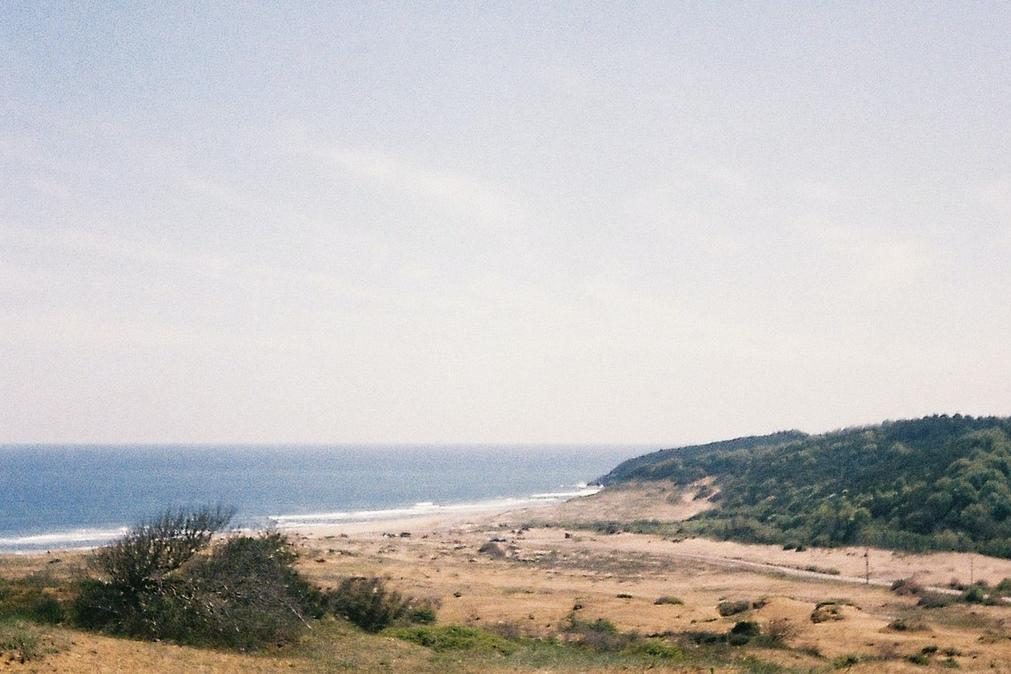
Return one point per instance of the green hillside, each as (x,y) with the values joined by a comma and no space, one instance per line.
(937,483)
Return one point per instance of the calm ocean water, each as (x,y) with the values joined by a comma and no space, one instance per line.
(78,496)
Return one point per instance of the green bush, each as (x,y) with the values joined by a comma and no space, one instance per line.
(369,604)
(974,595)
(442,638)
(422,615)
(742,632)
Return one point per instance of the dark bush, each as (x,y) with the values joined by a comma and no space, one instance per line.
(155,584)
(742,632)
(935,600)
(974,595)
(367,603)
(142,591)
(728,607)
(46,609)
(668,599)
(906,586)
(245,594)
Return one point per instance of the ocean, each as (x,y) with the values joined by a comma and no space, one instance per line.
(78,496)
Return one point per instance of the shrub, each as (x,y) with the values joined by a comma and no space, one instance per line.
(779,630)
(141,594)
(935,600)
(600,635)
(668,599)
(728,607)
(906,625)
(47,610)
(244,594)
(846,661)
(974,595)
(151,550)
(493,550)
(421,614)
(906,586)
(367,603)
(742,632)
(825,612)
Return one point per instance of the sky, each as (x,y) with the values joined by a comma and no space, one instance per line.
(564,222)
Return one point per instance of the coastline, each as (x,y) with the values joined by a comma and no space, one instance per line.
(426,515)
(530,570)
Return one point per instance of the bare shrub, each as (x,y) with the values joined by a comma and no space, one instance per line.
(244,594)
(907,586)
(779,631)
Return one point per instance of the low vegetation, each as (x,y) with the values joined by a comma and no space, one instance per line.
(21,642)
(937,483)
(162,581)
(170,579)
(668,599)
(367,603)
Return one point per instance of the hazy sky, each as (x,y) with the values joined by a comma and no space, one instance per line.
(559,222)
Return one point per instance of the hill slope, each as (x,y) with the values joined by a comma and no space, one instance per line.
(941,482)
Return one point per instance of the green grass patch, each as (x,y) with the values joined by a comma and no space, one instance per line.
(442,638)
(31,598)
(20,641)
(655,649)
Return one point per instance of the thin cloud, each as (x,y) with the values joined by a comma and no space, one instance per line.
(447,190)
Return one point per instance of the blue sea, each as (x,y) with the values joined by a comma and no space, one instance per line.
(72,496)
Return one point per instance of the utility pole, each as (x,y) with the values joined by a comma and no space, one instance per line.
(867,566)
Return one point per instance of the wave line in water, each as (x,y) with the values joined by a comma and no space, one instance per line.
(426,508)
(57,538)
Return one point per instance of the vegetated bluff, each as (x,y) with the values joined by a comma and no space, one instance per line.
(936,483)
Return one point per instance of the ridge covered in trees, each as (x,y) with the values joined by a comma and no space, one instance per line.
(937,483)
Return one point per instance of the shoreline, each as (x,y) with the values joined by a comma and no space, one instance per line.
(318,525)
(597,503)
